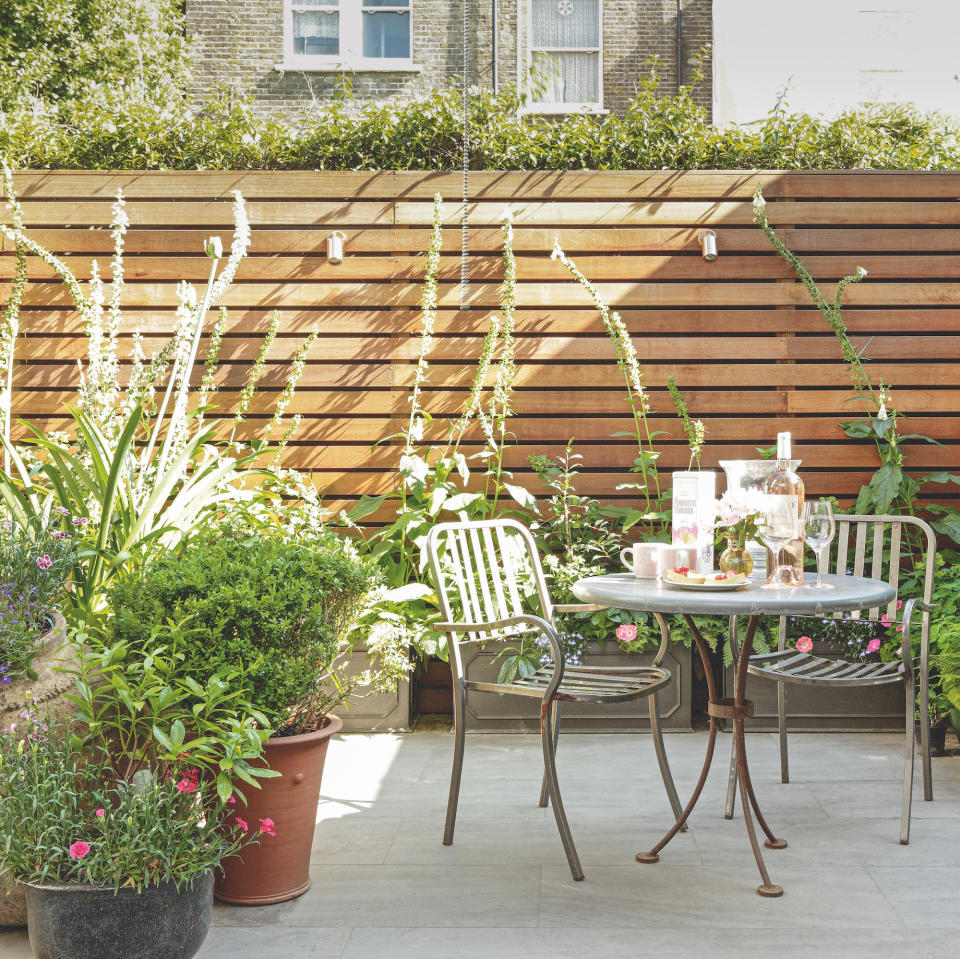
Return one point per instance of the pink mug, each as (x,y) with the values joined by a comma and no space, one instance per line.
(643,559)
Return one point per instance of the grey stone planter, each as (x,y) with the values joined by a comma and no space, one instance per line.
(367,712)
(47,690)
(75,921)
(488,712)
(819,709)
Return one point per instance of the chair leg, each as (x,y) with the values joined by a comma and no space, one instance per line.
(731,780)
(909,749)
(665,773)
(925,762)
(555,725)
(782,721)
(550,768)
(459,733)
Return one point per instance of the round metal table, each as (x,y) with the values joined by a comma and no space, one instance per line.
(625,591)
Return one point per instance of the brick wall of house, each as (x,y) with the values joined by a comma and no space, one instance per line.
(239,43)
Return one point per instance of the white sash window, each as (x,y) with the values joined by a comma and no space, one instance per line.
(564,49)
(352,34)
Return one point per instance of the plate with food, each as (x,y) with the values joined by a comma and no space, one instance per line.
(683,578)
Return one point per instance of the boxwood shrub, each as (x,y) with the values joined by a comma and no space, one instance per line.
(277,609)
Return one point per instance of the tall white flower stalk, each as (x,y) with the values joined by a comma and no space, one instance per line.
(428,321)
(632,375)
(10,319)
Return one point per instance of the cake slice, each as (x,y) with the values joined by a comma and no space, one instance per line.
(727,579)
(681,574)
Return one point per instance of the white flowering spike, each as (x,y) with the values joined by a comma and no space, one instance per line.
(861,272)
(214,247)
(557,249)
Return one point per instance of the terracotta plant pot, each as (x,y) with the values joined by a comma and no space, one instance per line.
(47,691)
(75,921)
(278,868)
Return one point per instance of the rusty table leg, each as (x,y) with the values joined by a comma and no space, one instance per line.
(654,854)
(736,709)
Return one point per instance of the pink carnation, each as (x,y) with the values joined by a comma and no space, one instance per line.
(100,813)
(268,826)
(186,785)
(79,849)
(804,644)
(44,562)
(232,800)
(242,823)
(626,632)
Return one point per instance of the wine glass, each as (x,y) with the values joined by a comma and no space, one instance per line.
(778,527)
(818,531)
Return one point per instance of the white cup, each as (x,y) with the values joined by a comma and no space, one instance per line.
(644,560)
(676,557)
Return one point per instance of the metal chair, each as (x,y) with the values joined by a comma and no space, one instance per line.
(791,666)
(490,586)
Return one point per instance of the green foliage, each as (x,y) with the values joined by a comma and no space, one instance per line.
(276,610)
(657,132)
(55,797)
(55,52)
(35,562)
(143,706)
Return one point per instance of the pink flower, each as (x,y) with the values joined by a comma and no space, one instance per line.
(242,823)
(79,521)
(885,622)
(58,534)
(804,644)
(899,629)
(186,785)
(268,826)
(626,632)
(62,510)
(100,813)
(873,645)
(78,850)
(44,562)
(232,800)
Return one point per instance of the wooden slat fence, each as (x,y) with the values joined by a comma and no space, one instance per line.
(739,334)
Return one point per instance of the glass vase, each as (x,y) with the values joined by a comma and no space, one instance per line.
(736,557)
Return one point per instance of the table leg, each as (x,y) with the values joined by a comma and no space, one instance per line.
(654,854)
(741,708)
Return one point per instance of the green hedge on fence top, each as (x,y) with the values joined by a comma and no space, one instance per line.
(657,133)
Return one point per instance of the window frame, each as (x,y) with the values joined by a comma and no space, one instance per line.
(351,56)
(536,106)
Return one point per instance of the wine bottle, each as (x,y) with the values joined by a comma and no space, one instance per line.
(785,511)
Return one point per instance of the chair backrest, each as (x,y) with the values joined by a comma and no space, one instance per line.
(870,546)
(485,571)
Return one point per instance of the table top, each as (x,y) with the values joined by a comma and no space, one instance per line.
(625,591)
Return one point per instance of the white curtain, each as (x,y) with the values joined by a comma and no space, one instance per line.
(316,23)
(566,23)
(566,77)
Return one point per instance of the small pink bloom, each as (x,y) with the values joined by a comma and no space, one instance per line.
(899,604)
(885,621)
(804,644)
(58,534)
(186,785)
(100,813)
(232,800)
(268,826)
(62,510)
(626,632)
(79,521)
(242,823)
(78,850)
(873,645)
(44,562)
(899,629)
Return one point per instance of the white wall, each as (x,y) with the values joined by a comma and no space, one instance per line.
(833,54)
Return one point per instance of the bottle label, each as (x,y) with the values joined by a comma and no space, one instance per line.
(783,515)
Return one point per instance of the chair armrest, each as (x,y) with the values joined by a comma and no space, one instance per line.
(907,622)
(577,607)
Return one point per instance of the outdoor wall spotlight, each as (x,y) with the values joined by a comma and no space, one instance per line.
(335,247)
(708,244)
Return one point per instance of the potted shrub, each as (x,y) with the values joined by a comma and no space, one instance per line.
(112,867)
(279,610)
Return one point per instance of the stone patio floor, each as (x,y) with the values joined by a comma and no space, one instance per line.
(384,886)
